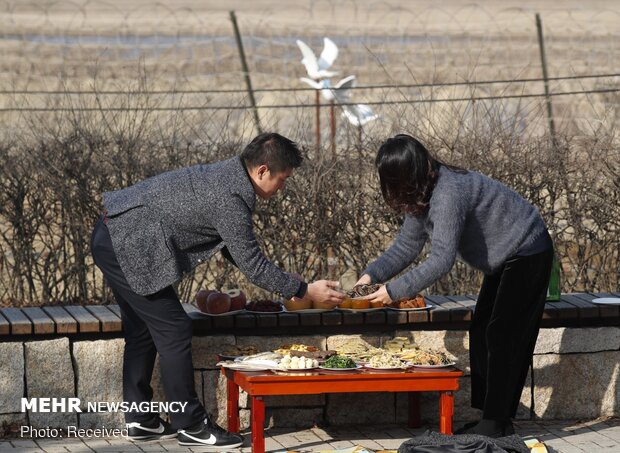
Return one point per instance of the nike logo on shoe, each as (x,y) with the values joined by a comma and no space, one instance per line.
(211,440)
(160,429)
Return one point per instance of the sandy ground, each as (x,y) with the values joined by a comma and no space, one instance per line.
(101,15)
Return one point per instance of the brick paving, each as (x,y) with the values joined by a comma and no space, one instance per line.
(561,436)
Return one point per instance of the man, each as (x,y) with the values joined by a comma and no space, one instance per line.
(159,229)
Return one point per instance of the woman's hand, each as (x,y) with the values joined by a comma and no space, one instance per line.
(364,280)
(324,291)
(381,295)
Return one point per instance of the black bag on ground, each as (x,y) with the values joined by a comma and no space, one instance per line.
(431,442)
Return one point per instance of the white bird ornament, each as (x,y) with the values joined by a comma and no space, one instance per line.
(318,69)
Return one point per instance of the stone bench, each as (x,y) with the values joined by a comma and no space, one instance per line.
(448,313)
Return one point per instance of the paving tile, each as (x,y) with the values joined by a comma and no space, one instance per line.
(24,443)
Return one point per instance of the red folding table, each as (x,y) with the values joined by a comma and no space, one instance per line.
(259,384)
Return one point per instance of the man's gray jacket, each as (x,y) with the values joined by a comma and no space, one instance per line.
(166,225)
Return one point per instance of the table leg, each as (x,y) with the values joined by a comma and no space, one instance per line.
(446,410)
(232,406)
(258,422)
(414,410)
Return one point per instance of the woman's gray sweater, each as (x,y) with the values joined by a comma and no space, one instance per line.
(472,215)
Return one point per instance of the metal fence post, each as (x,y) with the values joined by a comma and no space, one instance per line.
(246,71)
(543,59)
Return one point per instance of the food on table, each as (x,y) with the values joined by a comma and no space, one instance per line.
(296,363)
(415,302)
(425,357)
(357,350)
(398,344)
(236,350)
(263,355)
(345,303)
(287,348)
(218,303)
(339,361)
(201,299)
(237,299)
(268,306)
(355,296)
(385,360)
(302,350)
(297,304)
(359,304)
(363,290)
(323,305)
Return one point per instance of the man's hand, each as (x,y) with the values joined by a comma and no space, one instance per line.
(381,295)
(324,291)
(364,280)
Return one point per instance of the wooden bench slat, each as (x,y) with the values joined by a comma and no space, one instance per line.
(466,301)
(565,310)
(245,321)
(65,323)
(397,317)
(586,310)
(606,311)
(458,312)
(5,326)
(331,318)
(438,313)
(550,311)
(288,319)
(86,321)
(310,319)
(418,316)
(352,318)
(109,321)
(116,309)
(41,322)
(20,324)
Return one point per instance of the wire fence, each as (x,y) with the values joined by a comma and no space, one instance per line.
(400,54)
(98,95)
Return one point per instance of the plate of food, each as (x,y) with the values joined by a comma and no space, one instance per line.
(226,313)
(414,303)
(387,368)
(264,306)
(426,358)
(339,363)
(385,361)
(441,365)
(356,367)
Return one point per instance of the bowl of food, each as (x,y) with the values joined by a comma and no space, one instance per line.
(356,298)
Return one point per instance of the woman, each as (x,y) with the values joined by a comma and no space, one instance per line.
(493,229)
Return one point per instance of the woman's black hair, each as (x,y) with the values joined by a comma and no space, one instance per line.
(408,174)
(269,148)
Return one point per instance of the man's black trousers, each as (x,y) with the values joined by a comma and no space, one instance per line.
(503,332)
(151,324)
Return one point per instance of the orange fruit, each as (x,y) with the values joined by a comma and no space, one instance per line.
(346,303)
(360,304)
(376,304)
